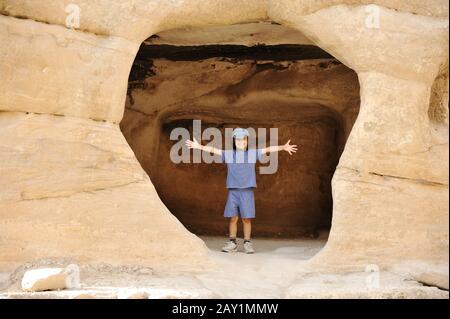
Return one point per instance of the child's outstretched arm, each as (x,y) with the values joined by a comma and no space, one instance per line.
(196,145)
(286,147)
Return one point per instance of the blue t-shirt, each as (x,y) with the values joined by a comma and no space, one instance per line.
(241,167)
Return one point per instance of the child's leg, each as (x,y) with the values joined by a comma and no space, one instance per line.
(231,245)
(232,226)
(247,209)
(248,247)
(231,211)
(247,223)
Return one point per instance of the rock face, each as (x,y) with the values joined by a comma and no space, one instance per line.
(96,196)
(71,186)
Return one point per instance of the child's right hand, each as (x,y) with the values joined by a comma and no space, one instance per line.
(193,144)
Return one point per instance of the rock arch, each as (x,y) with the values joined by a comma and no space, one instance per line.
(71,186)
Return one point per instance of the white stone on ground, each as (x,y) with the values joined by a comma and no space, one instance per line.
(51,278)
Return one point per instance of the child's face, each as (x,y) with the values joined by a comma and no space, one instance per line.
(241,143)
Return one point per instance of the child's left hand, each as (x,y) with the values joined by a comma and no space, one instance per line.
(290,148)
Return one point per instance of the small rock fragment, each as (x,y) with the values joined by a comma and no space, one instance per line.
(51,278)
(132,294)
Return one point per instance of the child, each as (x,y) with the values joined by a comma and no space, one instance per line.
(241,181)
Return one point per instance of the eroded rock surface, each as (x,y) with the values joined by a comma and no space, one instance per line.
(71,186)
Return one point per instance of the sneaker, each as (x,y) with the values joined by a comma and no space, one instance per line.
(248,247)
(230,246)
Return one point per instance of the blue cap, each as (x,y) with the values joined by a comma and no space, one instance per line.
(240,133)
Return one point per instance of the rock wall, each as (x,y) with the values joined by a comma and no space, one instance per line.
(393,141)
(390,188)
(72,187)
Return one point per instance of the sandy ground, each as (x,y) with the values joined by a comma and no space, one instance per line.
(274,271)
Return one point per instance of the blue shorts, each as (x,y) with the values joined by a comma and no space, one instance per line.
(240,201)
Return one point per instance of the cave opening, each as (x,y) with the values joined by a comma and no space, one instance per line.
(280,80)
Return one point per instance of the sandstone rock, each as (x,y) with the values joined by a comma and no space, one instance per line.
(70,171)
(357,286)
(433,279)
(166,15)
(132,294)
(51,278)
(61,51)
(104,198)
(145,271)
(429,274)
(85,296)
